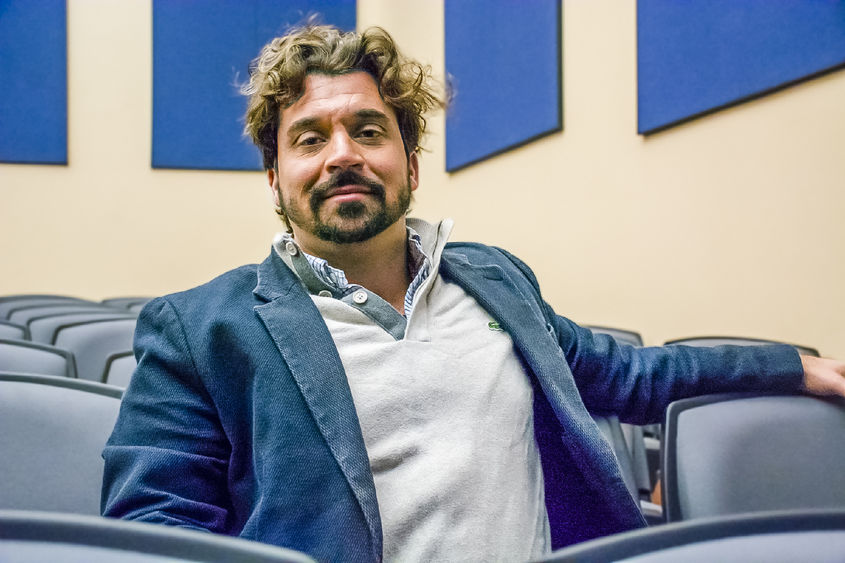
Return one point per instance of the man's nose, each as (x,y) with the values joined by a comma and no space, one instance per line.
(343,152)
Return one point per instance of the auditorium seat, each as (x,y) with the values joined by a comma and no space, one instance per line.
(26,314)
(93,342)
(736,341)
(44,329)
(10,303)
(621,335)
(35,537)
(119,369)
(13,331)
(816,536)
(54,431)
(737,453)
(125,302)
(23,356)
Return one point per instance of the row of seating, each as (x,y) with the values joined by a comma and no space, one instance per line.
(68,336)
(721,455)
(725,455)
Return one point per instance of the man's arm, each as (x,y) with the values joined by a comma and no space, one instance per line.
(639,383)
(166,461)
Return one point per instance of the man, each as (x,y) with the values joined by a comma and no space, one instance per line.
(370,391)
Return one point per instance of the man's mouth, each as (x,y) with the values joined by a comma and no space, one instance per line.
(348,190)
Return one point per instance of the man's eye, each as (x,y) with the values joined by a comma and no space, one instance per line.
(308,140)
(370,133)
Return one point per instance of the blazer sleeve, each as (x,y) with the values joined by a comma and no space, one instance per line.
(166,460)
(637,384)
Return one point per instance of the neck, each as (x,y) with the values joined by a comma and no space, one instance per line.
(380,264)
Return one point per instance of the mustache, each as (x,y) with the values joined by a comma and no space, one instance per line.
(344,178)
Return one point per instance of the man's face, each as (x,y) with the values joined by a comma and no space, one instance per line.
(342,175)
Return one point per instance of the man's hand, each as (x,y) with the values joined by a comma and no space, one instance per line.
(823,376)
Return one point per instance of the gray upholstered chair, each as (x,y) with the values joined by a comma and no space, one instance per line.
(22,356)
(54,431)
(779,537)
(11,303)
(34,537)
(736,341)
(24,315)
(93,342)
(738,453)
(13,331)
(43,329)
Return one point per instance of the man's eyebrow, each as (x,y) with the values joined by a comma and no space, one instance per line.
(371,115)
(307,123)
(301,125)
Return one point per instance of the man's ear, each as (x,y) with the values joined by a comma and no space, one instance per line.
(413,170)
(273,181)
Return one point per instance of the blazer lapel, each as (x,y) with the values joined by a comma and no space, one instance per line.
(519,314)
(309,352)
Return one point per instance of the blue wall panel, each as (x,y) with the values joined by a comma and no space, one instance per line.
(503,59)
(33,81)
(699,55)
(201,53)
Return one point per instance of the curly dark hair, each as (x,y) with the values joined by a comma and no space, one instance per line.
(277,79)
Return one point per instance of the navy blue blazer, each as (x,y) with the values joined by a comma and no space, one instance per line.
(239,419)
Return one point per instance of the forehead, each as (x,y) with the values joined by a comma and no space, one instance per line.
(335,95)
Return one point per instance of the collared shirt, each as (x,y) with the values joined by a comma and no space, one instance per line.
(418,264)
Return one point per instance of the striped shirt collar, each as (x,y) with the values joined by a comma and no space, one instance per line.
(322,277)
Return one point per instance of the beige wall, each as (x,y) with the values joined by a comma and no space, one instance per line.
(730,224)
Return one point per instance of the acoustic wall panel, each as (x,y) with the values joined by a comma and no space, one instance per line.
(201,54)
(697,56)
(503,60)
(33,81)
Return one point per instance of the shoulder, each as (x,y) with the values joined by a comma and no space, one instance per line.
(482,254)
(216,296)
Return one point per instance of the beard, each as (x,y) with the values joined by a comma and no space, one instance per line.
(353,221)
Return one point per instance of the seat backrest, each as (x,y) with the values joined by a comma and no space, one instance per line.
(710,341)
(817,536)
(44,329)
(54,431)
(25,314)
(34,537)
(23,356)
(13,331)
(735,453)
(125,302)
(119,369)
(622,336)
(10,304)
(93,342)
